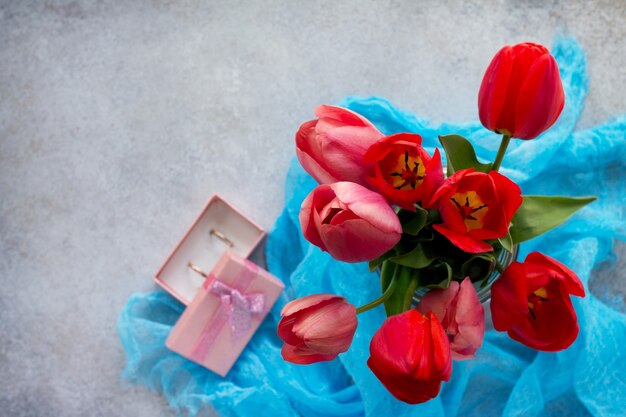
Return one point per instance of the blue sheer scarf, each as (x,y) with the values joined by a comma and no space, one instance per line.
(505,378)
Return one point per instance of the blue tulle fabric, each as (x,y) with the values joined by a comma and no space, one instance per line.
(505,378)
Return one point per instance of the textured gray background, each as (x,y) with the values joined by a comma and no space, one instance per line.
(118,120)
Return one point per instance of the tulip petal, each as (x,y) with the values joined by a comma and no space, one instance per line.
(309,153)
(470,319)
(447,187)
(450,215)
(509,302)
(522,58)
(357,241)
(406,388)
(438,301)
(464,242)
(509,194)
(343,150)
(318,197)
(554,326)
(310,165)
(396,345)
(442,200)
(341,114)
(442,362)
(302,303)
(285,330)
(542,100)
(494,88)
(369,206)
(303,356)
(329,328)
(569,279)
(295,310)
(433,180)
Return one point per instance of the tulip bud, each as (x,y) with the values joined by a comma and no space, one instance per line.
(521,94)
(349,221)
(331,148)
(410,355)
(316,328)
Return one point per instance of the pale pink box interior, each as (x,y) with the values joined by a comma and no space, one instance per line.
(204,249)
(207,332)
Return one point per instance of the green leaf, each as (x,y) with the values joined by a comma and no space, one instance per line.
(426,236)
(433,216)
(412,223)
(477,266)
(375,263)
(538,214)
(386,274)
(460,154)
(417,258)
(440,276)
(507,242)
(410,289)
(395,303)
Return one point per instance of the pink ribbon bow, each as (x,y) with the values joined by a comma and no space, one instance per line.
(236,306)
(239,307)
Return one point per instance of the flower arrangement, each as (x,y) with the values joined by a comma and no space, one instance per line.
(444,242)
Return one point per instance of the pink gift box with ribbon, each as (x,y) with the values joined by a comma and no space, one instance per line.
(227,309)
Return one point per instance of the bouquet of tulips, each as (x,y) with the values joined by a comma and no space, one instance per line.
(443,241)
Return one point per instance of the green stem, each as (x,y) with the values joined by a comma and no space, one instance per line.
(500,156)
(390,289)
(410,291)
(499,267)
(387,271)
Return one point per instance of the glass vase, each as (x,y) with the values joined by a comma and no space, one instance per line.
(483,288)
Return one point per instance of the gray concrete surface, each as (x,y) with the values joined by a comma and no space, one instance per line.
(119,119)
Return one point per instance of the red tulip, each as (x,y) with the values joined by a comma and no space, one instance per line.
(476,206)
(316,328)
(410,355)
(461,315)
(349,221)
(403,171)
(531,301)
(331,148)
(521,94)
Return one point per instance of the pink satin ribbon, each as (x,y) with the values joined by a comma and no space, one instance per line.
(236,306)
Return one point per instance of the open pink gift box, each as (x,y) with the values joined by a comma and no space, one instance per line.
(229,298)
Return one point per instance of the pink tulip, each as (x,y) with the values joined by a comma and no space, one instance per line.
(461,314)
(349,221)
(316,328)
(331,148)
